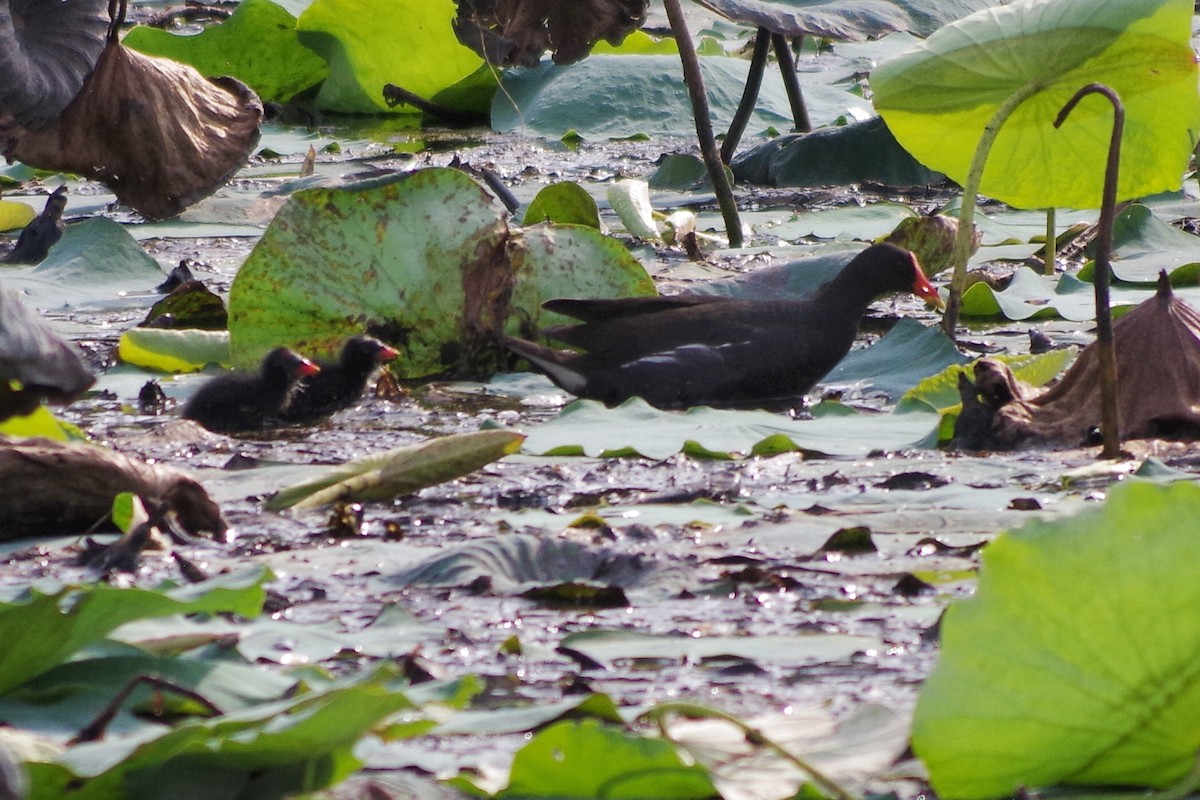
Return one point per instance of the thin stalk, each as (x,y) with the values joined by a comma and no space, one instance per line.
(966,217)
(659,713)
(704,131)
(758,65)
(1110,422)
(791,83)
(1051,252)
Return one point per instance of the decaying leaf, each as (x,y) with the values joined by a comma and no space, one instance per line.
(401,471)
(51,488)
(35,362)
(1158,369)
(158,133)
(516,32)
(46,51)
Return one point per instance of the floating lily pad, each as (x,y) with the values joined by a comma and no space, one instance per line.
(908,353)
(96,264)
(1143,245)
(15,215)
(607,646)
(834,156)
(620,96)
(1031,294)
(938,97)
(257,45)
(635,428)
(564,203)
(424,261)
(1095,688)
(186,350)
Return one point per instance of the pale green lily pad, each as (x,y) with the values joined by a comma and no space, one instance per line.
(607,646)
(42,422)
(1064,669)
(635,428)
(938,97)
(909,353)
(844,20)
(615,97)
(425,261)
(1031,294)
(371,43)
(563,203)
(1143,245)
(96,264)
(257,45)
(15,215)
(168,350)
(864,223)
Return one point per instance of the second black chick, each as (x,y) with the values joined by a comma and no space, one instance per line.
(340,383)
(242,401)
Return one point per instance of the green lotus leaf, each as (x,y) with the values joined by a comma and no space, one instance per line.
(371,43)
(1143,245)
(938,97)
(15,215)
(1076,661)
(425,261)
(257,45)
(563,202)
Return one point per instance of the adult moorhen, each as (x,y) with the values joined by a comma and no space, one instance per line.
(340,383)
(242,401)
(681,351)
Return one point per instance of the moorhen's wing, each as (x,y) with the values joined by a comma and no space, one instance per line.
(623,339)
(34,356)
(622,307)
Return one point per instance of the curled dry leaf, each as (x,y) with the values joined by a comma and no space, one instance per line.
(158,133)
(1158,368)
(35,362)
(47,48)
(516,32)
(49,488)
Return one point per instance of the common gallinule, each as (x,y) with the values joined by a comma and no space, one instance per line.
(242,401)
(340,383)
(35,362)
(680,351)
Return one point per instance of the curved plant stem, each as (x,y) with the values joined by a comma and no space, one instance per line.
(704,131)
(660,712)
(966,216)
(758,65)
(1049,255)
(1110,423)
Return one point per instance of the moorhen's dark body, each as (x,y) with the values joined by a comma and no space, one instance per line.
(42,233)
(242,401)
(681,351)
(340,383)
(35,362)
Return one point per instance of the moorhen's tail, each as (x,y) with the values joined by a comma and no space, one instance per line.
(554,364)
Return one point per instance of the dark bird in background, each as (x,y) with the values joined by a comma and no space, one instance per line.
(340,383)
(242,401)
(35,362)
(43,233)
(681,351)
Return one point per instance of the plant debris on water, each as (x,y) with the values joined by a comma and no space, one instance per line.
(740,603)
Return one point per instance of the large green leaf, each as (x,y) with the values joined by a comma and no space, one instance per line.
(909,353)
(257,45)
(619,96)
(1078,660)
(845,20)
(45,627)
(938,97)
(371,43)
(425,261)
(587,759)
(1143,245)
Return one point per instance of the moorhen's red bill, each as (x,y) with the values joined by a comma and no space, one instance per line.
(339,384)
(681,351)
(242,401)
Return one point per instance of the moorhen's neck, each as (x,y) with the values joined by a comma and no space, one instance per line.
(876,271)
